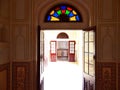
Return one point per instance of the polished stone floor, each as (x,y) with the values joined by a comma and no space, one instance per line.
(63,76)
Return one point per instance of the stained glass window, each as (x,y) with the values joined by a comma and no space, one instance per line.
(63,13)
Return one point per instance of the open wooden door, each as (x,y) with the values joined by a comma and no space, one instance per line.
(89,58)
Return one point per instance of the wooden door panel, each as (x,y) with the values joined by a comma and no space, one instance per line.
(72,51)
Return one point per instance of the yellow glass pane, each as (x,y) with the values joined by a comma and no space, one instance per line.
(91,70)
(91,36)
(54,18)
(74,12)
(91,47)
(86,36)
(86,47)
(86,57)
(86,68)
(52,12)
(91,59)
(73,18)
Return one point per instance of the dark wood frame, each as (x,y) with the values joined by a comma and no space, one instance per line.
(38,57)
(71,55)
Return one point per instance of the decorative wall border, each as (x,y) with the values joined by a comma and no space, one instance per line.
(107,30)
(22,31)
(105,76)
(7,68)
(21,76)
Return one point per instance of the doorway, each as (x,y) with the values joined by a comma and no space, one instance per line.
(79,37)
(64,16)
(62,72)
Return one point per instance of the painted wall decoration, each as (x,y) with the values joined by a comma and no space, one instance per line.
(106,77)
(21,76)
(106,74)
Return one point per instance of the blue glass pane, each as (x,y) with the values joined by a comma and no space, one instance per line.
(48,18)
(55,14)
(71,14)
(77,18)
(63,7)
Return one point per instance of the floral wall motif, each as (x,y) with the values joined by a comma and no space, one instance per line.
(20,76)
(106,74)
(106,77)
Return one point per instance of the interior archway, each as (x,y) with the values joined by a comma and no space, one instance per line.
(62,35)
(64,25)
(42,11)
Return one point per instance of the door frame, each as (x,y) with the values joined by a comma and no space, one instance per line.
(38,52)
(93,28)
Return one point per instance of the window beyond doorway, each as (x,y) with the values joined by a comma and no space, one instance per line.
(62,50)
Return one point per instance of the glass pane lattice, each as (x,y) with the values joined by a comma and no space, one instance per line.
(91,69)
(91,60)
(91,47)
(86,67)
(91,36)
(64,13)
(86,36)
(86,57)
(89,51)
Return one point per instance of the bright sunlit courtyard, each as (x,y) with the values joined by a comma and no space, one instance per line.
(63,76)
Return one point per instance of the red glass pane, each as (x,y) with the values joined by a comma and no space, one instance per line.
(68,8)
(57,8)
(63,11)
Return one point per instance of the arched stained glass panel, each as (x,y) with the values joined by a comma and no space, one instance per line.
(63,13)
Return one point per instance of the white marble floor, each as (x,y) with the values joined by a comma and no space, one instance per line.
(63,76)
